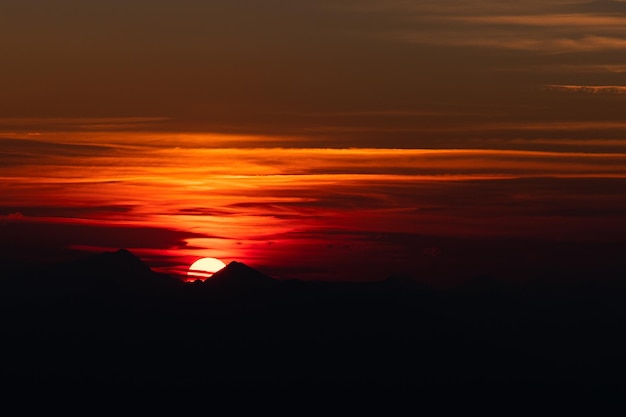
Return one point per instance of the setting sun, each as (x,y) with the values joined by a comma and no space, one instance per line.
(205,268)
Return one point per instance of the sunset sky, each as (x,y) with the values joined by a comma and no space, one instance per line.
(317,139)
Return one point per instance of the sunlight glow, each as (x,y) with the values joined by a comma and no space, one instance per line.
(205,268)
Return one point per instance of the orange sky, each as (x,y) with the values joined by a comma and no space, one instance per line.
(315,139)
(324,213)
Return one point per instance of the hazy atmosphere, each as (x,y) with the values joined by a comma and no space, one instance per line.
(333,140)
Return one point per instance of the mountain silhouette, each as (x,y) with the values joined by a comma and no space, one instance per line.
(121,261)
(124,270)
(237,275)
(110,321)
(100,273)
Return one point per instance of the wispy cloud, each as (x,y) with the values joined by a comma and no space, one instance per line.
(588,89)
(78,123)
(525,26)
(573,68)
(382,113)
(522,42)
(577,20)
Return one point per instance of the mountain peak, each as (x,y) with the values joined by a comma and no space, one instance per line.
(125,253)
(122,262)
(123,269)
(238,275)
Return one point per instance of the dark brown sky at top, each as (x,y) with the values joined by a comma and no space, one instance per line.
(371,73)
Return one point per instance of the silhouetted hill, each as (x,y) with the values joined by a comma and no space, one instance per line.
(125,270)
(107,272)
(110,321)
(239,276)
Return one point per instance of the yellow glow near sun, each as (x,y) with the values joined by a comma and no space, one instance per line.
(205,268)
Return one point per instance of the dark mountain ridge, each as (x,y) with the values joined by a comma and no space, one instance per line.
(105,272)
(239,276)
(109,320)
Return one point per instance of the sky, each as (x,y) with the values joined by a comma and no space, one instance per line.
(332,140)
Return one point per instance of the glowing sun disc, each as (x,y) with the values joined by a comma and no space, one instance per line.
(205,268)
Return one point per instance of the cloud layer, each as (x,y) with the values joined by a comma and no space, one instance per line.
(305,212)
(399,67)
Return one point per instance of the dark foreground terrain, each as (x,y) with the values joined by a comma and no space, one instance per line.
(110,327)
